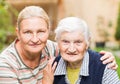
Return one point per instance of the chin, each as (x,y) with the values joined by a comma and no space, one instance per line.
(70,61)
(35,50)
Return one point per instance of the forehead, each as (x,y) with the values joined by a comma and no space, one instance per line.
(72,35)
(32,22)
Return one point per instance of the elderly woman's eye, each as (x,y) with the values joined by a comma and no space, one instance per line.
(65,41)
(78,41)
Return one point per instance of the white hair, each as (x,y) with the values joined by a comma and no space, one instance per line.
(71,24)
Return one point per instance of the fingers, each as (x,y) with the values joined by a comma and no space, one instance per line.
(107,58)
(51,59)
(115,67)
(48,72)
(54,66)
(112,65)
(50,64)
(102,52)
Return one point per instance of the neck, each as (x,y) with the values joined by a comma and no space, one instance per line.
(74,65)
(30,60)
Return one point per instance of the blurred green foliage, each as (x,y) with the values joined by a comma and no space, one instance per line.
(6,23)
(118,62)
(117,33)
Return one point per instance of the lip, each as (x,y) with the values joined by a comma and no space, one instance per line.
(34,45)
(71,54)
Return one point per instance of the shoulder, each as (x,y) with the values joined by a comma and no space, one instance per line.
(110,76)
(8,56)
(94,58)
(52,48)
(94,54)
(51,43)
(95,65)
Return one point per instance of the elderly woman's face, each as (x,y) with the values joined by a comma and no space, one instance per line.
(72,46)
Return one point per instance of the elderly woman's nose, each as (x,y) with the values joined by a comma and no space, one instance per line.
(71,47)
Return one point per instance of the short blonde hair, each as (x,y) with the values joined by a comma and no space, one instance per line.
(32,11)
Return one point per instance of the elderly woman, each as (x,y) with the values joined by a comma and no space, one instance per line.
(77,64)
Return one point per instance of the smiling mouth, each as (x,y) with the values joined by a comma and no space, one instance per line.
(71,54)
(34,45)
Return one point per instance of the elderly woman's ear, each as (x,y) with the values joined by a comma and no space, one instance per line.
(88,43)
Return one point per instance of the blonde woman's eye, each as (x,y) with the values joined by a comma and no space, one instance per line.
(39,32)
(26,32)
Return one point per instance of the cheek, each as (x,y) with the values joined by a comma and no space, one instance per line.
(83,47)
(44,37)
(24,40)
(62,48)
(81,51)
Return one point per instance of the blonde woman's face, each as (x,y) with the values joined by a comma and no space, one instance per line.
(33,34)
(72,46)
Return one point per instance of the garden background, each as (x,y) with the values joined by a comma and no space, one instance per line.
(108,29)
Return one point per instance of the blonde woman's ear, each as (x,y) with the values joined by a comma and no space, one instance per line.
(17,32)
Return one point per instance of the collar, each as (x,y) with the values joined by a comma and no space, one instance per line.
(84,69)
